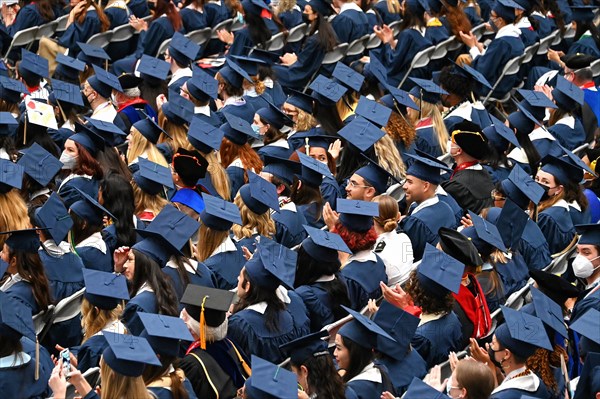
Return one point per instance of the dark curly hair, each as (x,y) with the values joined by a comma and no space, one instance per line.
(430,303)
(454,83)
(356,241)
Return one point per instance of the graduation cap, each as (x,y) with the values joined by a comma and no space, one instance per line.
(39,164)
(178,110)
(11,90)
(68,67)
(312,170)
(66,92)
(402,98)
(373,111)
(419,390)
(301,101)
(561,169)
(152,177)
(91,141)
(92,54)
(588,325)
(326,91)
(237,130)
(205,137)
(357,215)
(24,240)
(275,265)
(426,169)
(254,6)
(511,223)
(589,234)
(487,231)
(156,246)
(303,348)
(11,176)
(348,77)
(474,74)
(549,312)
(129,81)
(152,69)
(104,82)
(522,333)
(417,7)
(361,133)
(109,132)
(506,9)
(426,90)
(499,135)
(566,94)
(249,63)
(269,57)
(54,216)
(556,287)
(536,103)
(164,333)
(314,137)
(376,176)
(282,168)
(190,165)
(182,49)
(577,61)
(15,318)
(439,272)
(8,124)
(202,86)
(588,385)
(105,290)
(583,13)
(323,245)
(219,214)
(128,355)
(523,120)
(274,116)
(89,209)
(362,331)
(468,136)
(268,380)
(32,66)
(175,226)
(259,195)
(214,303)
(575,160)
(375,69)
(460,247)
(521,188)
(234,74)
(400,325)
(149,129)
(323,7)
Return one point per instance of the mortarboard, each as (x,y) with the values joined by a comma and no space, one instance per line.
(15,318)
(11,176)
(66,92)
(361,133)
(152,69)
(577,61)
(549,312)
(109,132)
(468,136)
(376,176)
(178,110)
(474,74)
(249,63)
(182,49)
(274,116)
(190,165)
(561,169)
(234,74)
(522,333)
(426,90)
(326,91)
(523,120)
(54,216)
(588,385)
(8,124)
(32,65)
(375,69)
(268,380)
(323,7)
(458,246)
(164,333)
(156,246)
(237,130)
(259,195)
(149,129)
(439,273)
(357,215)
(575,160)
(151,177)
(128,355)
(254,6)
(487,231)
(402,97)
(373,111)
(104,82)
(68,67)
(323,245)
(521,188)
(205,137)
(282,168)
(11,89)
(400,325)
(25,240)
(348,77)
(589,234)
(506,9)
(88,139)
(588,325)
(362,330)
(301,101)
(214,302)
(555,287)
(219,214)
(89,209)
(175,226)
(314,137)
(417,7)
(202,86)
(312,171)
(499,135)
(536,103)
(420,390)
(269,57)
(129,81)
(275,265)
(583,13)
(426,169)
(303,348)
(511,223)
(92,54)
(566,95)
(105,290)
(39,164)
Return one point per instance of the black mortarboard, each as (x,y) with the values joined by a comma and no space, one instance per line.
(459,247)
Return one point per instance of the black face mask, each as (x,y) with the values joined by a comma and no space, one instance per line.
(546,189)
(151,5)
(305,19)
(492,354)
(86,102)
(493,25)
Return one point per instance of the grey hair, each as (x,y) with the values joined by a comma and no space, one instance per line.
(213,334)
(133,92)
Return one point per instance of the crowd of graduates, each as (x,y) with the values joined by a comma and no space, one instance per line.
(218,220)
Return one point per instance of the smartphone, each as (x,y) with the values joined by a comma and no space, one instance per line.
(65,355)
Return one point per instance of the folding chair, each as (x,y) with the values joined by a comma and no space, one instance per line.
(200,36)
(546,42)
(101,39)
(46,30)
(92,376)
(276,42)
(595,68)
(122,33)
(41,319)
(357,47)
(395,27)
(478,30)
(374,42)
(337,54)
(61,23)
(163,47)
(221,25)
(421,59)
(22,38)
(297,33)
(442,48)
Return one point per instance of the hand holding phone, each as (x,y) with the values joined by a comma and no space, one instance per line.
(65,356)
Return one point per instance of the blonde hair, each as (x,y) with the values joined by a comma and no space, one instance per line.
(388,213)
(145,201)
(393,6)
(433,111)
(305,121)
(94,319)
(13,213)
(139,145)
(263,223)
(177,132)
(218,175)
(284,5)
(118,386)
(389,157)
(210,240)
(259,85)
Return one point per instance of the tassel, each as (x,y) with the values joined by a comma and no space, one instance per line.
(37,358)
(306,146)
(203,326)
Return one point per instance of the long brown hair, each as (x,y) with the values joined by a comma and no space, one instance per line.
(167,8)
(457,19)
(104,21)
(86,163)
(30,267)
(211,239)
(115,385)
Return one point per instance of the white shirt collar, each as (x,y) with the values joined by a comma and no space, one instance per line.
(180,73)
(261,307)
(236,101)
(204,110)
(508,31)
(15,360)
(529,382)
(57,250)
(226,246)
(428,202)
(143,288)
(94,241)
(363,256)
(350,6)
(369,373)
(12,280)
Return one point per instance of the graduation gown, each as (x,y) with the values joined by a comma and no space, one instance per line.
(514,388)
(310,212)
(426,139)
(85,183)
(350,24)
(197,273)
(165,393)
(471,188)
(451,202)
(569,132)
(585,45)
(240,108)
(64,272)
(242,42)
(193,19)
(89,353)
(309,60)
(387,16)
(118,13)
(514,274)
(226,263)
(80,32)
(423,223)
(577,215)
(94,253)
(22,291)
(236,174)
(139,8)
(436,337)
(17,373)
(401,372)
(248,331)
(362,274)
(289,224)
(556,225)
(279,148)
(318,302)
(330,191)
(370,383)
(27,17)
(150,40)
(144,301)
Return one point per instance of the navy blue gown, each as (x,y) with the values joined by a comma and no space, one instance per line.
(435,339)
(68,193)
(64,273)
(569,132)
(201,276)
(309,60)
(350,24)
(226,265)
(77,32)
(557,226)
(362,275)
(144,302)
(94,253)
(402,372)
(193,19)
(289,230)
(318,304)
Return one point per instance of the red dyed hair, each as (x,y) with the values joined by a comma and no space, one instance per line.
(86,163)
(229,151)
(355,240)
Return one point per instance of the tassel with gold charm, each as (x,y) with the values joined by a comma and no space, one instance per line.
(203,326)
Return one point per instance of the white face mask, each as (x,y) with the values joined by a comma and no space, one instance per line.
(68,160)
(583,267)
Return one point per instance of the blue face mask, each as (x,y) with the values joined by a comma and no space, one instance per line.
(256,129)
(240,18)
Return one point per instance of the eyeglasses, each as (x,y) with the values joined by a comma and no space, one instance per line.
(496,196)
(354,184)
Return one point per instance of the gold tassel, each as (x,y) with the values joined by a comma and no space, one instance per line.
(37,358)
(203,326)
